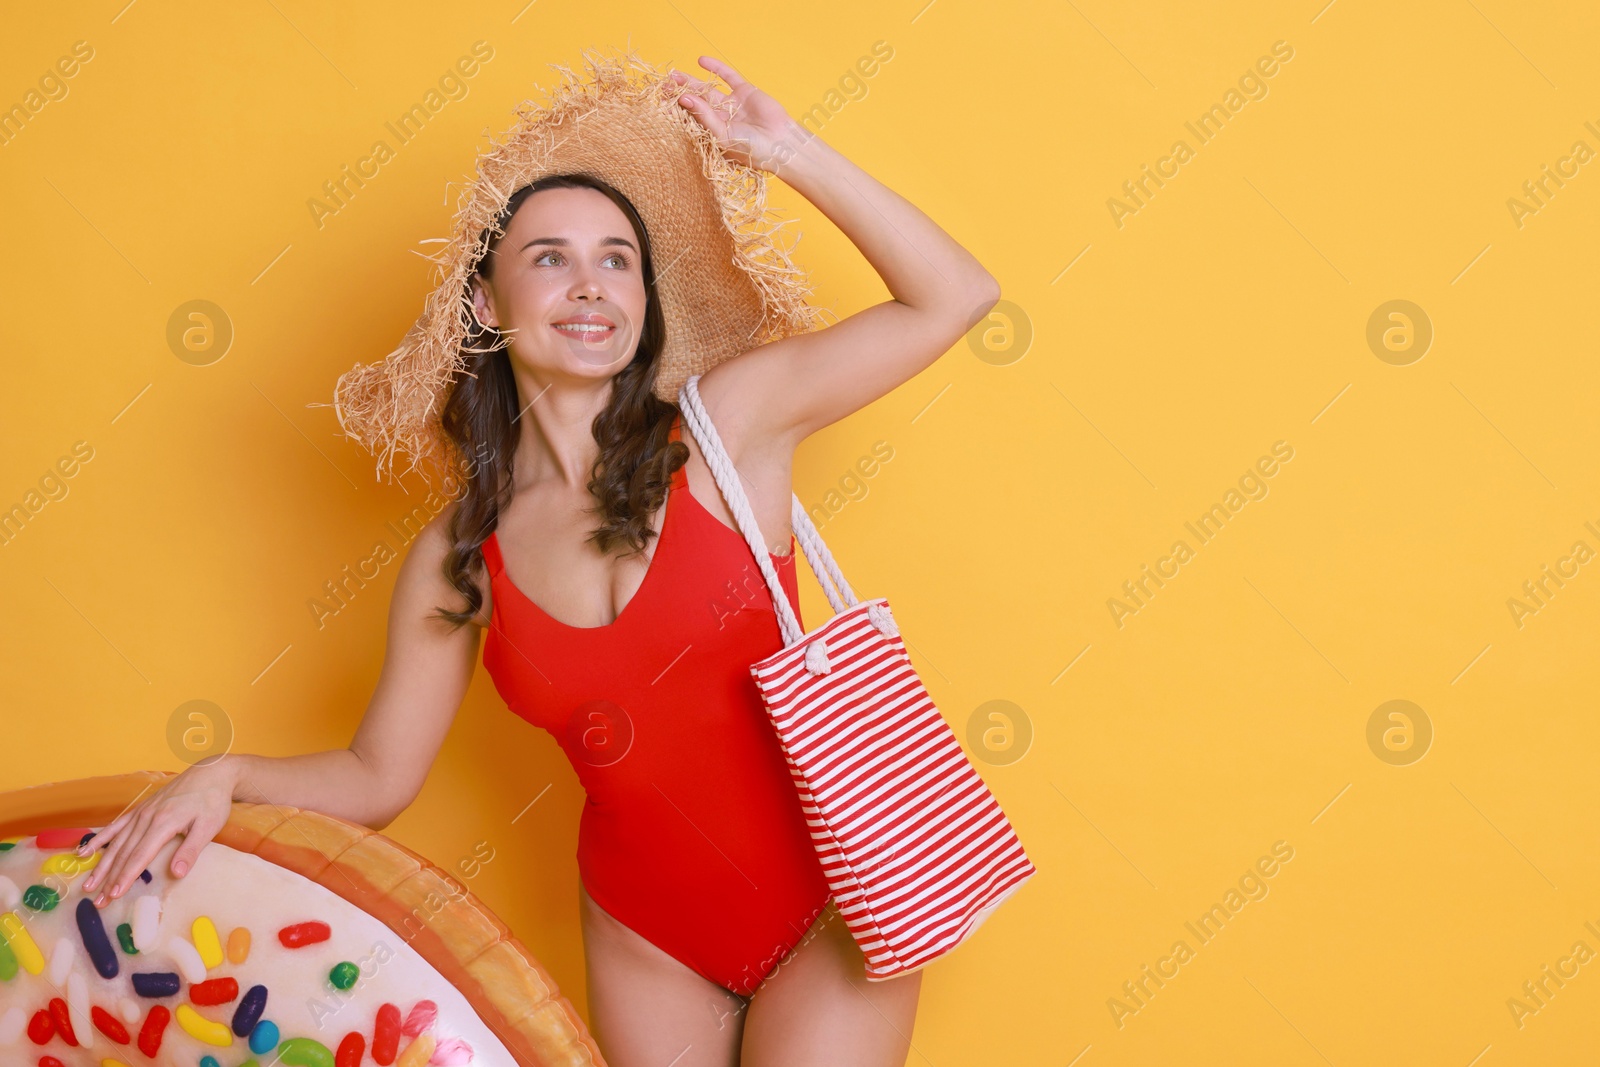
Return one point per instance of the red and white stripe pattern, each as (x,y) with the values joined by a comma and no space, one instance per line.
(912,843)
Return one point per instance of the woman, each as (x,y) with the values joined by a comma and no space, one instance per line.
(691,958)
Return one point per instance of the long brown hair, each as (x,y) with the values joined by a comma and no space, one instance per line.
(631,475)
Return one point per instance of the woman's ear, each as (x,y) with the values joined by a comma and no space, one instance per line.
(482,305)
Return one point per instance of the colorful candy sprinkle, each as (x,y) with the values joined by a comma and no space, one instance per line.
(42,1027)
(109,1025)
(350,1050)
(62,956)
(248,1013)
(70,863)
(95,941)
(155,1025)
(451,1052)
(125,938)
(386,1035)
(78,1007)
(417,1053)
(420,1018)
(204,932)
(304,1052)
(53,839)
(301,934)
(200,1028)
(190,965)
(146,920)
(238,945)
(215,991)
(344,975)
(59,1016)
(264,1038)
(16,935)
(40,897)
(155,983)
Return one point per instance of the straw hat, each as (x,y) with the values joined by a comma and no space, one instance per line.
(724,283)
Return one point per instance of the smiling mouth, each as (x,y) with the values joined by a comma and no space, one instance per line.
(585,330)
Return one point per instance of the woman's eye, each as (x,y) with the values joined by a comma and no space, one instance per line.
(622,260)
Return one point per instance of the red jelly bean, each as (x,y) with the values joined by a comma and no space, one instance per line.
(301,934)
(109,1024)
(58,1013)
(215,991)
(386,1035)
(350,1050)
(155,1025)
(50,1061)
(53,839)
(41,1028)
(421,1017)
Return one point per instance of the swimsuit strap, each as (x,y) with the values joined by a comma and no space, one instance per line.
(491,555)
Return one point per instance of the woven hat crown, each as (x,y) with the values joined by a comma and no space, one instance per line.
(724,282)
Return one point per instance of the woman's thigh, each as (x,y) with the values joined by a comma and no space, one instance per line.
(646,1009)
(817,1009)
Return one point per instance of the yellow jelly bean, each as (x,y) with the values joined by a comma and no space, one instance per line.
(238,945)
(21,943)
(200,1028)
(112,1063)
(416,1053)
(204,932)
(70,864)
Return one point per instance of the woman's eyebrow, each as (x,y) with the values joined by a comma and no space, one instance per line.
(562,241)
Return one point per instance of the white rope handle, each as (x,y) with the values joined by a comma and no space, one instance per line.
(727,477)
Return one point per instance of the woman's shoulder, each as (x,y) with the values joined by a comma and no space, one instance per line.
(422,577)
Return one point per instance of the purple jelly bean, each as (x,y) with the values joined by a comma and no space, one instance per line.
(155,983)
(95,942)
(84,840)
(144,876)
(248,1013)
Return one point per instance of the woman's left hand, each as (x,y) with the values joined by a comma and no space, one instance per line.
(750,125)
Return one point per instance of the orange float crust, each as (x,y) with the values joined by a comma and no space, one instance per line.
(436,915)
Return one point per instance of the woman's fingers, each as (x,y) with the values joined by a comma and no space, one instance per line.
(114,863)
(723,71)
(199,834)
(136,858)
(108,841)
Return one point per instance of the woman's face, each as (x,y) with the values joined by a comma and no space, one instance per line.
(568,284)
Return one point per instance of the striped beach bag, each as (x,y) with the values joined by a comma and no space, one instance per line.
(915,850)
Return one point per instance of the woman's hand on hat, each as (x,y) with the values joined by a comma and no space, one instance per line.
(751,126)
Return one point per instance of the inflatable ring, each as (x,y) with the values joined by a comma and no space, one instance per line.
(302,939)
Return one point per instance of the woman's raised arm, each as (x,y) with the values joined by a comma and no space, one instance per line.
(427,667)
(786,390)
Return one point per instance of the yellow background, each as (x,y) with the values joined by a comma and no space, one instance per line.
(1230,312)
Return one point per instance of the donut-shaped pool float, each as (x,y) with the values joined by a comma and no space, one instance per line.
(296,938)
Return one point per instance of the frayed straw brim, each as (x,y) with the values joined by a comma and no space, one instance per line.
(725,284)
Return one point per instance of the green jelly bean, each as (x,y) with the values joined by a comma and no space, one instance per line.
(304,1052)
(344,975)
(40,897)
(8,960)
(125,937)
(7,846)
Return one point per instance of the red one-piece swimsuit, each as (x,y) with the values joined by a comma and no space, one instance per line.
(692,834)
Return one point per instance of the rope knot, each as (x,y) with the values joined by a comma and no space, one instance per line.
(817,657)
(879,614)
